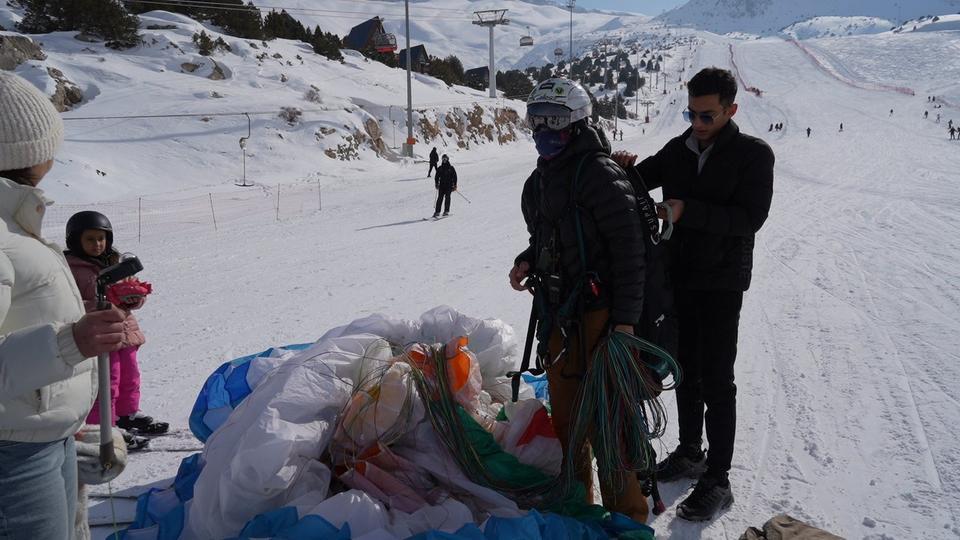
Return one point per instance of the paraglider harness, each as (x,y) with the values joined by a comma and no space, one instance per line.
(551,309)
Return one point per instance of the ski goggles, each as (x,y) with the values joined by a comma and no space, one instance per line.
(548,115)
(706,118)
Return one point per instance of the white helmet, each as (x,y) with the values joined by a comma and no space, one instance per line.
(560,101)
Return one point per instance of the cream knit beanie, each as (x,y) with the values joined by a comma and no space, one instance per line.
(31,129)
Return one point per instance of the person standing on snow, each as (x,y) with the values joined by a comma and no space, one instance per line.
(90,250)
(953,133)
(808,133)
(434,159)
(841,127)
(48,344)
(574,163)
(718,182)
(446,183)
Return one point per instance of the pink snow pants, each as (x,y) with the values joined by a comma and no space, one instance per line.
(124,386)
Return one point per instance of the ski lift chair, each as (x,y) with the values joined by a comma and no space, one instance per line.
(384,42)
(527,40)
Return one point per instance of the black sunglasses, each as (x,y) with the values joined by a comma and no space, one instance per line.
(706,118)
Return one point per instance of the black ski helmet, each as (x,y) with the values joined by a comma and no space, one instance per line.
(82,221)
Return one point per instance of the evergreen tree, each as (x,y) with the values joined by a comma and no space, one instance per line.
(448,70)
(204,43)
(514,83)
(245,23)
(282,25)
(106,19)
(546,72)
(326,44)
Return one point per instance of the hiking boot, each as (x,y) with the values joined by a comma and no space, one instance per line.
(711,495)
(141,424)
(134,442)
(684,462)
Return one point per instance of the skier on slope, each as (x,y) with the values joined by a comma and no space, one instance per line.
(446,183)
(434,158)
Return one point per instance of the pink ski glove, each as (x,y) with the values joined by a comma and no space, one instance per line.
(129,294)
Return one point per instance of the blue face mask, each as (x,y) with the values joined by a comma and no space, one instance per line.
(550,143)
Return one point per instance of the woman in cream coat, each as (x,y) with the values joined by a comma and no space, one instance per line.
(48,346)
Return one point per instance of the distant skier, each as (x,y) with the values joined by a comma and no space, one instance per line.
(953,133)
(891,112)
(446,182)
(808,133)
(950,123)
(771,127)
(926,114)
(841,127)
(434,158)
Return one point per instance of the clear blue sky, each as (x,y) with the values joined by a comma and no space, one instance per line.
(647,7)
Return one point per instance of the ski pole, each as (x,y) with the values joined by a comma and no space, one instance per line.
(464,196)
(108,276)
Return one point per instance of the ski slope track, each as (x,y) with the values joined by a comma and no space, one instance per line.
(848,369)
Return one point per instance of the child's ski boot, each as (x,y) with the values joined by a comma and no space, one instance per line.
(135,443)
(141,424)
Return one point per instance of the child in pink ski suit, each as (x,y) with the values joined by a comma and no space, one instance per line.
(90,250)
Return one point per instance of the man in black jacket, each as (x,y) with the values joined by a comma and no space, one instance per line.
(718,183)
(434,159)
(600,267)
(446,182)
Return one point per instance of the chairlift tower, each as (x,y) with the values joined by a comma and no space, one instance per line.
(408,146)
(243,155)
(570,5)
(491,18)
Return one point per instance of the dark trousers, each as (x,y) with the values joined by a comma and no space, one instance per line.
(708,322)
(433,167)
(443,197)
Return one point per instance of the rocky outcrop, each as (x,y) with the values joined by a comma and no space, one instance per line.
(67,94)
(15,50)
(217,74)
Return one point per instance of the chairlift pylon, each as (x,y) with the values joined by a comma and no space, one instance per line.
(243,154)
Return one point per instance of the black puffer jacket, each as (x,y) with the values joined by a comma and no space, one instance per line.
(446,177)
(724,206)
(612,227)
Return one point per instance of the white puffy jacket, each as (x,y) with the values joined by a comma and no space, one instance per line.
(46,386)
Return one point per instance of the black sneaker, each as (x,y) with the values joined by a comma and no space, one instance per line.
(682,463)
(142,424)
(710,496)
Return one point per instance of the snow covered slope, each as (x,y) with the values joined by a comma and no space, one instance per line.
(837,26)
(446,27)
(200,101)
(848,372)
(767,17)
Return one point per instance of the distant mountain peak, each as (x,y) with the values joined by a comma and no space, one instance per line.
(767,17)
